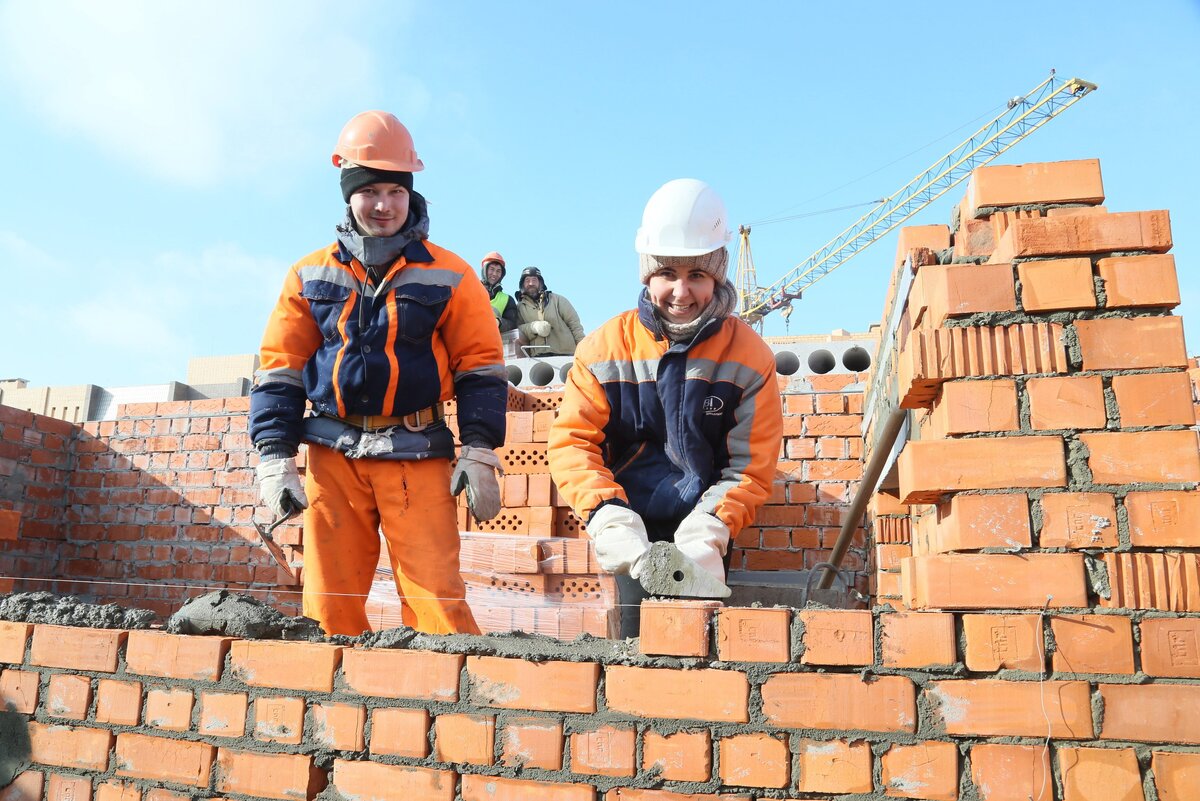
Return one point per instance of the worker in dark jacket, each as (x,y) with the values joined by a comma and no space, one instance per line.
(376,331)
(549,324)
(492,272)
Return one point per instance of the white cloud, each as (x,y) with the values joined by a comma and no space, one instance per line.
(134,321)
(194,93)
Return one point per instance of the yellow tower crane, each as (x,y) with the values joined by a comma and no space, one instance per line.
(1023,115)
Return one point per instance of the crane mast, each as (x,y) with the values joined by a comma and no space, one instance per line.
(1024,115)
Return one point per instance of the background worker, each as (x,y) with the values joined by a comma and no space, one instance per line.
(670,424)
(549,324)
(376,330)
(492,272)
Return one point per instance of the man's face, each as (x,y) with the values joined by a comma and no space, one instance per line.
(380,209)
(494,272)
(531,285)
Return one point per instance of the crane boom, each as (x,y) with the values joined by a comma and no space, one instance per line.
(1023,116)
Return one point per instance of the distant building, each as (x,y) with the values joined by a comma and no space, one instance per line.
(208,377)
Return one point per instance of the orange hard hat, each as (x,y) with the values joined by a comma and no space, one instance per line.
(378,140)
(493,256)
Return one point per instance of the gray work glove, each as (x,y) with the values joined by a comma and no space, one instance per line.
(476,473)
(540,328)
(280,488)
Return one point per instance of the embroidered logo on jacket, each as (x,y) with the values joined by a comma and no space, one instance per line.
(713,405)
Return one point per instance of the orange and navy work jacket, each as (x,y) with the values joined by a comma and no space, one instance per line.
(667,428)
(425,333)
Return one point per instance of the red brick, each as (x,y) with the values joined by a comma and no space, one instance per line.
(927,770)
(370,781)
(932,356)
(703,694)
(994,581)
(339,726)
(285,665)
(1085,234)
(996,642)
(916,639)
(153,653)
(27,786)
(974,238)
(1079,520)
(840,701)
(753,635)
(606,751)
(685,756)
(223,714)
(837,637)
(279,720)
(139,756)
(629,794)
(1120,457)
(1165,519)
(119,702)
(941,291)
(465,738)
(13,637)
(887,557)
(400,732)
(1154,399)
(420,675)
(1066,402)
(833,425)
(19,691)
(1012,772)
(834,766)
(969,407)
(676,627)
(495,788)
(1171,647)
(68,696)
(1168,581)
(1028,184)
(541,686)
(282,776)
(1151,713)
(1000,708)
(934,237)
(972,522)
(929,469)
(755,760)
(532,742)
(1092,644)
(76,648)
(1137,343)
(66,747)
(1057,284)
(1176,775)
(68,788)
(1108,773)
(169,709)
(1140,281)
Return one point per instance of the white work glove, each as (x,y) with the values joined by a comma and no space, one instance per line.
(704,538)
(540,328)
(619,539)
(280,488)
(476,473)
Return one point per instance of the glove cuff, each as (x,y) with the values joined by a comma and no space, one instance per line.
(274,449)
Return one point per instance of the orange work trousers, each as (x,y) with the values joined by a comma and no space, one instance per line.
(349,502)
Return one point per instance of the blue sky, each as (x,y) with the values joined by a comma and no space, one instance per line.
(165,162)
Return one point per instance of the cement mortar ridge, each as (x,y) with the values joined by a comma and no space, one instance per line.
(66,610)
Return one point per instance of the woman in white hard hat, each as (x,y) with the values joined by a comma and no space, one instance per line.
(671,424)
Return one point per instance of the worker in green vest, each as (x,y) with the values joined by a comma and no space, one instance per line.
(492,273)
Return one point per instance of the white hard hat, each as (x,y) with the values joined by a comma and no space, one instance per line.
(685,217)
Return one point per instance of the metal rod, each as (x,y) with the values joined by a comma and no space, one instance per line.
(866,488)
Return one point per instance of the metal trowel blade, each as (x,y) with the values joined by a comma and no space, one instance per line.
(667,572)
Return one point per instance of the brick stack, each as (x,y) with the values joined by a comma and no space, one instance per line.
(1052,486)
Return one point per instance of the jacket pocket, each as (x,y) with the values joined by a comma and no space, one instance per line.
(419,308)
(326,301)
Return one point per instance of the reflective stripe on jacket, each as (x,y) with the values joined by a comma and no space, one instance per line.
(668,428)
(423,334)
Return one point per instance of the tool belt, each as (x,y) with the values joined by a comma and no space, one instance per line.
(417,421)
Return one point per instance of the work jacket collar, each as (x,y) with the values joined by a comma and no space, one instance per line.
(648,317)
(374,251)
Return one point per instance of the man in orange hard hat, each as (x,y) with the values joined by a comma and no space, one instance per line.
(376,331)
(492,272)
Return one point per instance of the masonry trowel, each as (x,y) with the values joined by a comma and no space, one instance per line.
(666,571)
